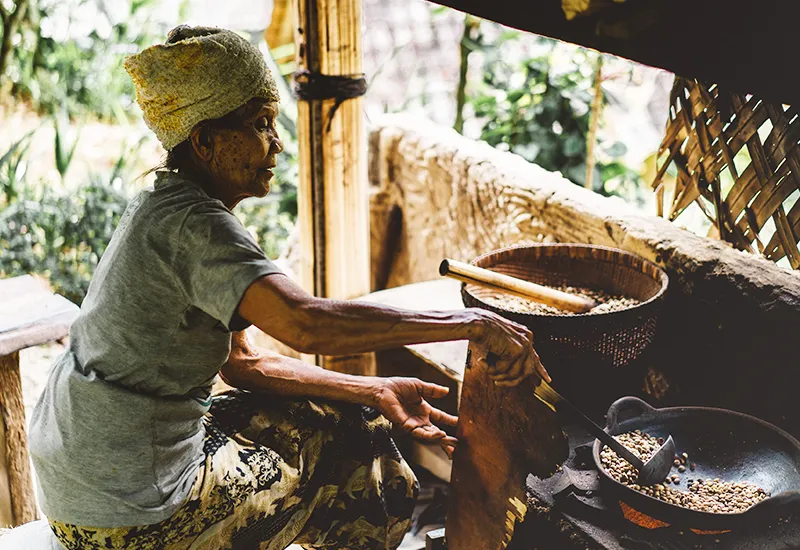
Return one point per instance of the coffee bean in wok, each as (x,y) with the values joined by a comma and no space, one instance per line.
(709,495)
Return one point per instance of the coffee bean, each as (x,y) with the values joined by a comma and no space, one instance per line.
(709,495)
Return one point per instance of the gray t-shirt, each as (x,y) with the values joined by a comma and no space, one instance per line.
(116,437)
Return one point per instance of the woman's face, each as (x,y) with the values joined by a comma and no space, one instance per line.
(243,151)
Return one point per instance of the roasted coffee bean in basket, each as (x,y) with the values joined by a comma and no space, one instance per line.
(629,288)
(606,303)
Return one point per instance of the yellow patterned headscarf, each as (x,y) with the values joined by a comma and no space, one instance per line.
(201,73)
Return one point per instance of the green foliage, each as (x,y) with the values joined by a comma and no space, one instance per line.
(13,168)
(268,221)
(83,74)
(63,150)
(60,235)
(67,75)
(527,106)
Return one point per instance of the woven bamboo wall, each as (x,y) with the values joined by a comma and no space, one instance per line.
(736,157)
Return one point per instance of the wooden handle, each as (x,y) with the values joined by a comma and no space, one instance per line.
(505,283)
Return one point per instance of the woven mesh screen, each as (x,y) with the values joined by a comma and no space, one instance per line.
(737,158)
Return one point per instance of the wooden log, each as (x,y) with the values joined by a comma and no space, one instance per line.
(504,435)
(333,194)
(17,467)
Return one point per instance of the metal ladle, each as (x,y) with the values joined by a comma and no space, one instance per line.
(653,471)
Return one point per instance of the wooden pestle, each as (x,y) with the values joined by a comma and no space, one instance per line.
(505,283)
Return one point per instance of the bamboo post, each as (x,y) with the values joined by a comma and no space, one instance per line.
(333,200)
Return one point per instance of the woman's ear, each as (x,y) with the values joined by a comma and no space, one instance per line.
(202,144)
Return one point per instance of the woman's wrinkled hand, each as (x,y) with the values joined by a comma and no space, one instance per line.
(403,401)
(510,354)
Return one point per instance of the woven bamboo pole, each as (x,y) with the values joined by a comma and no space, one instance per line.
(333,194)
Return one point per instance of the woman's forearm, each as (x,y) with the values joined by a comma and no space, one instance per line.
(261,370)
(335,327)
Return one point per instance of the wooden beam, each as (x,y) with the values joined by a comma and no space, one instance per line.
(739,45)
(333,194)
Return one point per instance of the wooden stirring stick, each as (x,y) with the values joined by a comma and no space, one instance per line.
(505,283)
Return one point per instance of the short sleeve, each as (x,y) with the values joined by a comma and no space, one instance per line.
(220,261)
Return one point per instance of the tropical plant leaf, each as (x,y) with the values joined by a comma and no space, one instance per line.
(64,151)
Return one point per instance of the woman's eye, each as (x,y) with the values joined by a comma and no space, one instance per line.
(262,122)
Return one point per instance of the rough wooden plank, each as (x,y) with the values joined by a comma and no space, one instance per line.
(31,315)
(504,434)
(12,413)
(54,327)
(13,286)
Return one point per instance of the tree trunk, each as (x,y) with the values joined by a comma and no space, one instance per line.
(594,121)
(11,22)
(471,24)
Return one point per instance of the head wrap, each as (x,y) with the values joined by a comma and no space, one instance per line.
(201,73)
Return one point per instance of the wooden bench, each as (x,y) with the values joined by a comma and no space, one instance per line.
(30,315)
(438,362)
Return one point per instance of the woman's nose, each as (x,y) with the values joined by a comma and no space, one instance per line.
(277,145)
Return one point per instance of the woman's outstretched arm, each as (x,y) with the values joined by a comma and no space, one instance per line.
(308,324)
(403,401)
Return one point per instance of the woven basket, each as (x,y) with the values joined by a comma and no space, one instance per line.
(611,339)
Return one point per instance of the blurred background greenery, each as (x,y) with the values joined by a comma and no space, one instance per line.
(74,146)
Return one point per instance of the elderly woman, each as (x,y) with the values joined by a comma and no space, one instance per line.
(131,448)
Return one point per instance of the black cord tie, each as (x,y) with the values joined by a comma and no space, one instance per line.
(309,86)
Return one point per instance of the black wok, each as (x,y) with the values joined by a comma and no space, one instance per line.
(723,444)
